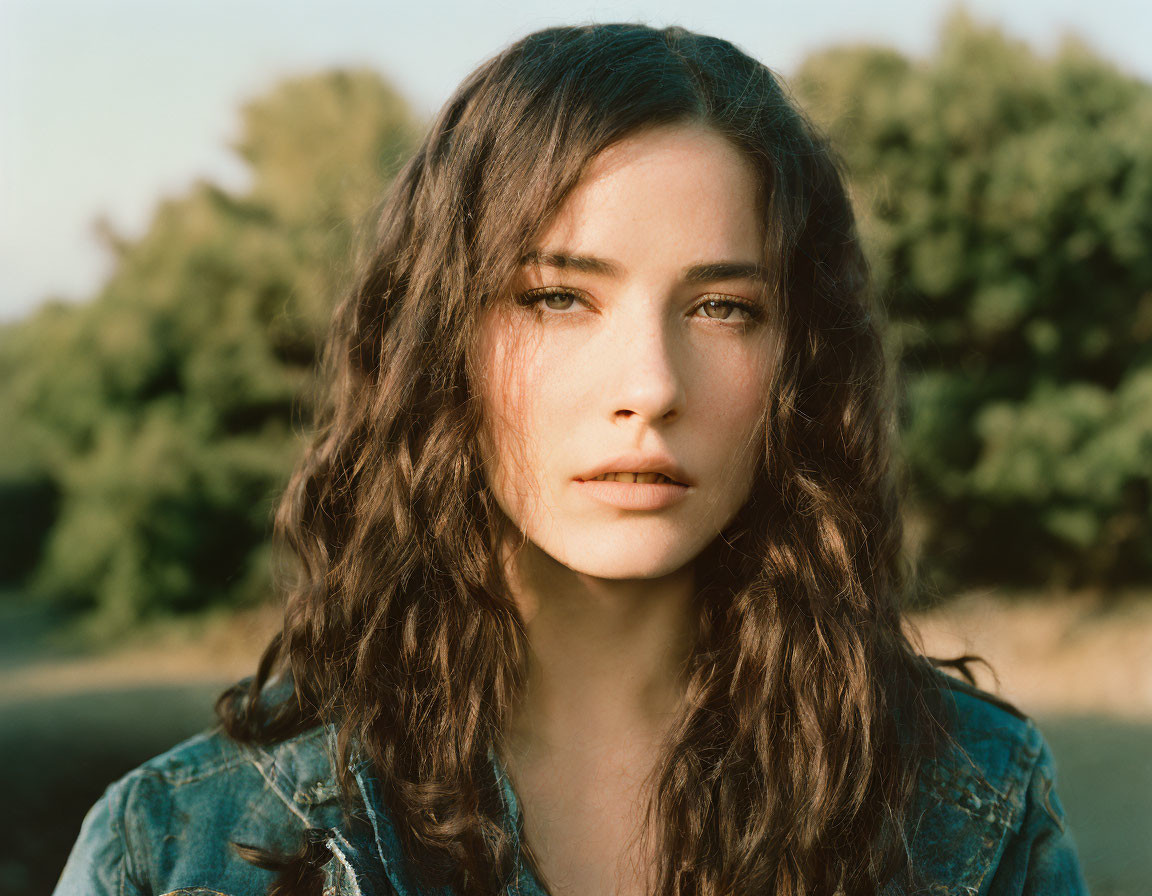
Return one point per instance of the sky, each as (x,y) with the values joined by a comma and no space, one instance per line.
(108,105)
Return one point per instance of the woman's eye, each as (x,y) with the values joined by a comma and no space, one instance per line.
(553,299)
(721,309)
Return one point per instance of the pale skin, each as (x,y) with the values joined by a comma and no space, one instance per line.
(642,354)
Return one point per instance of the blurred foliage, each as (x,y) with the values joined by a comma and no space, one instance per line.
(149,431)
(1006,201)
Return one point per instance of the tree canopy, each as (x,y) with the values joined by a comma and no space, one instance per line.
(153,426)
(1006,199)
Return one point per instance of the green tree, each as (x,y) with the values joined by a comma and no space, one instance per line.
(1006,200)
(159,414)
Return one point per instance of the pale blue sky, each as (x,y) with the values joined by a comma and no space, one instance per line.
(107,105)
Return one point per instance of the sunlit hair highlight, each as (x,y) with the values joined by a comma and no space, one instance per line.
(808,712)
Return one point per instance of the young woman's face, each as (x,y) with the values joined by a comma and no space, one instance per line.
(639,341)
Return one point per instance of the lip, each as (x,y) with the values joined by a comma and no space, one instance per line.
(634,495)
(635,462)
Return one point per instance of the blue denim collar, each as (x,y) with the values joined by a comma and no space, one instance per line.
(378,847)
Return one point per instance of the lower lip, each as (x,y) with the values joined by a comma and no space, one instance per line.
(633,495)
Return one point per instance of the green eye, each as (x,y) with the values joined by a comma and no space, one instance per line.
(566,298)
(726,306)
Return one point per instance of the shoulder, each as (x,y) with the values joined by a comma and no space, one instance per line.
(994,746)
(170,823)
(987,809)
(298,771)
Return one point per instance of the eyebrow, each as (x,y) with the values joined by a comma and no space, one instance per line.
(697,273)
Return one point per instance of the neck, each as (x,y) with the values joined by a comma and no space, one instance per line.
(607,657)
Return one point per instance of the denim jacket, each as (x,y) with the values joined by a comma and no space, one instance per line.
(987,819)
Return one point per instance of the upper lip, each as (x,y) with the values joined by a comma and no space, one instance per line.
(634,462)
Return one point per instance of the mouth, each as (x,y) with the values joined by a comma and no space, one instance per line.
(646,478)
(637,468)
(634,491)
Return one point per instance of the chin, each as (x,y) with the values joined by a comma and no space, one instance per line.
(604,563)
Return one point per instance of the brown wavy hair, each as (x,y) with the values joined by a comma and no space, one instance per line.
(808,712)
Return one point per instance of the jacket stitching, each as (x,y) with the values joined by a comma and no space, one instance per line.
(1048,785)
(956,783)
(129,872)
(269,777)
(177,779)
(118,830)
(372,819)
(339,853)
(1021,789)
(971,792)
(197,770)
(274,787)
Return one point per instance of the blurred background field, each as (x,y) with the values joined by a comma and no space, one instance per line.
(1005,195)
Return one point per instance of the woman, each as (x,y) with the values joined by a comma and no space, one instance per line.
(599,540)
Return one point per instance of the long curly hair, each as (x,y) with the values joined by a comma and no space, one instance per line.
(808,712)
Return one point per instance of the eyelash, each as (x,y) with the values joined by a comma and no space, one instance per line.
(531,299)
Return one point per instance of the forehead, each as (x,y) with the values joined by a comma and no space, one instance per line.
(684,187)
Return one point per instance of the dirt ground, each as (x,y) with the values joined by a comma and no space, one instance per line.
(1066,655)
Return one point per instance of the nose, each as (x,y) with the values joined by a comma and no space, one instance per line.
(645,373)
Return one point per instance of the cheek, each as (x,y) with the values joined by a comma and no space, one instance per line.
(530,388)
(735,398)
(510,436)
(736,387)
